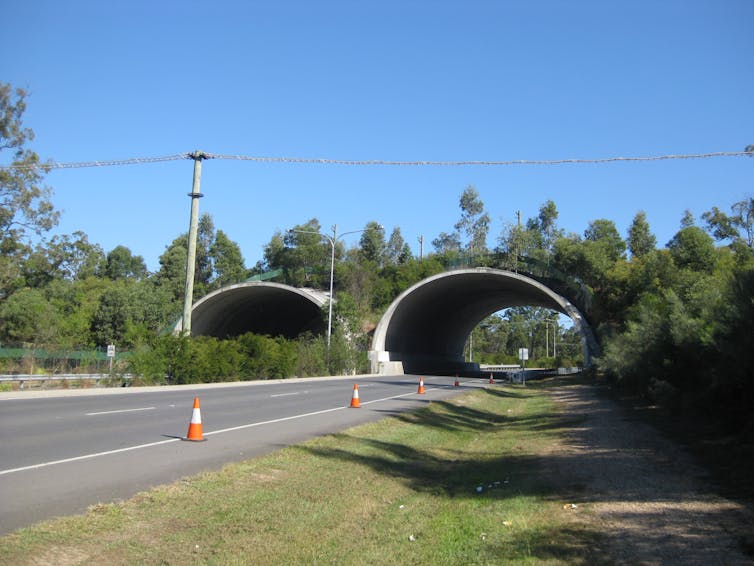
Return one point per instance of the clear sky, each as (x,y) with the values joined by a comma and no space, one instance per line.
(388,80)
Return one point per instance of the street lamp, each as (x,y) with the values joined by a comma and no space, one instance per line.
(554,322)
(332,241)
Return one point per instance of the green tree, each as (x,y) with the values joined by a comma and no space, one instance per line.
(120,263)
(474,222)
(127,311)
(687,220)
(305,255)
(372,245)
(519,241)
(738,227)
(227,260)
(397,251)
(547,224)
(640,239)
(27,316)
(171,277)
(692,248)
(25,205)
(447,243)
(605,235)
(61,257)
(204,238)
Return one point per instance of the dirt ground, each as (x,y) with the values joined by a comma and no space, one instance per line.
(652,503)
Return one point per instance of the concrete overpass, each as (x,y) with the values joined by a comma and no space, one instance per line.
(425,329)
(259,307)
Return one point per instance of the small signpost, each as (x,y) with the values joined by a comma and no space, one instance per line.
(523,355)
(111,355)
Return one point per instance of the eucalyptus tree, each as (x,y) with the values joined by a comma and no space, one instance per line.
(474,222)
(737,227)
(25,202)
(372,245)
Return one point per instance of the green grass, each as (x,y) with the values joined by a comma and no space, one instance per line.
(399,491)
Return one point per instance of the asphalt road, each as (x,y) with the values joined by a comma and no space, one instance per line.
(61,452)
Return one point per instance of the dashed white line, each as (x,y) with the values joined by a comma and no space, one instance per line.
(289,394)
(158,443)
(121,411)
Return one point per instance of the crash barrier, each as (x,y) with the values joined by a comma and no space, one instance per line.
(41,380)
(521,376)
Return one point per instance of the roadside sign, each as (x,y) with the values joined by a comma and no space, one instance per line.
(523,354)
(111,350)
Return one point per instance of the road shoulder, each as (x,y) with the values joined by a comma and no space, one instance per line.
(644,492)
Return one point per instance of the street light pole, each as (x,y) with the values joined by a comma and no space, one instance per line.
(332,240)
(329,307)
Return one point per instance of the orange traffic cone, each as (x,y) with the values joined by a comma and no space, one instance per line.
(456,384)
(355,404)
(421,385)
(195,426)
(491,380)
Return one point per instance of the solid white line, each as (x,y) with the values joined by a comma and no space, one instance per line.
(292,417)
(86,456)
(120,411)
(287,394)
(158,443)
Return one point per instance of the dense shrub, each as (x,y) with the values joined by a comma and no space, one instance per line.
(171,359)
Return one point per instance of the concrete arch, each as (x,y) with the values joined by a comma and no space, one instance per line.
(424,330)
(260,307)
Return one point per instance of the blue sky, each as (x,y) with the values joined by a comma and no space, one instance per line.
(388,80)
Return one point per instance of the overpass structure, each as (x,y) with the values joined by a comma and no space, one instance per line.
(260,307)
(423,331)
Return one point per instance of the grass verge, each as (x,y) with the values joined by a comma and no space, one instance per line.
(460,482)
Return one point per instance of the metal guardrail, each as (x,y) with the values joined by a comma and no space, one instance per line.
(23,378)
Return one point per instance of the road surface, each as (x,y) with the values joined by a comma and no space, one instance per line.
(61,452)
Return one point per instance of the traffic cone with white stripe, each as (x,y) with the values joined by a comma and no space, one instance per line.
(456,384)
(491,379)
(355,404)
(195,426)
(421,385)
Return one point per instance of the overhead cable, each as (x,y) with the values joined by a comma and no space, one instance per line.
(371,162)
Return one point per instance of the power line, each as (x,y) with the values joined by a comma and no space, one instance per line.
(474,163)
(373,162)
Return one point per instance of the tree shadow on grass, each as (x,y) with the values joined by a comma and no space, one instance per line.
(455,473)
(605,467)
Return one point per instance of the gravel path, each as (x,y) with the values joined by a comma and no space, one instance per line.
(641,490)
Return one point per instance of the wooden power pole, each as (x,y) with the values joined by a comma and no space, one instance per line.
(195,195)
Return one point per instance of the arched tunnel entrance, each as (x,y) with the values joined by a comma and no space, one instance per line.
(260,307)
(424,330)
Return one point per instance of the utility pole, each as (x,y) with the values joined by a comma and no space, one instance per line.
(518,240)
(195,195)
(421,248)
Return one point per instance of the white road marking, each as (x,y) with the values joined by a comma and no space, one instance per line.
(86,457)
(121,411)
(289,394)
(168,441)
